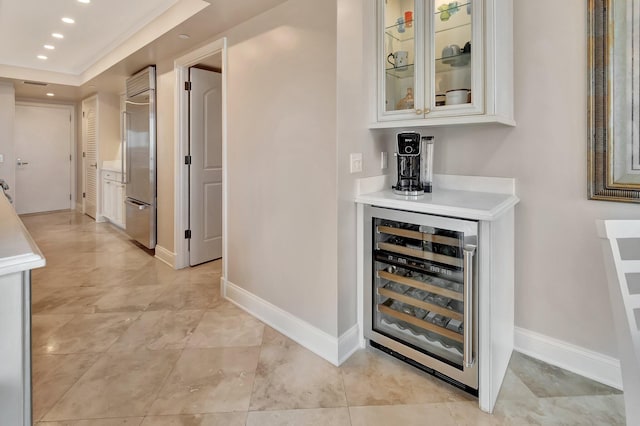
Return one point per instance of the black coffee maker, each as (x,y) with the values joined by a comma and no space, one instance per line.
(414,155)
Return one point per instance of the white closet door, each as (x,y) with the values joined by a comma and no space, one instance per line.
(90,150)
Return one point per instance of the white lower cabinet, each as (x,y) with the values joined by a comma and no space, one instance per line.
(113,198)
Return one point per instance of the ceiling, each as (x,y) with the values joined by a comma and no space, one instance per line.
(88,60)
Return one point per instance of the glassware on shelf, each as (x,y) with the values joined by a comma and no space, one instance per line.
(407,101)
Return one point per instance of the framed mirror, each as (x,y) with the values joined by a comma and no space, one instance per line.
(614,100)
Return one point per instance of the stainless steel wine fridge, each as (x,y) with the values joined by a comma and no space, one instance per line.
(420,291)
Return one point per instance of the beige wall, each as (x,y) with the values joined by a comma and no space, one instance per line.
(282,216)
(7,117)
(165,145)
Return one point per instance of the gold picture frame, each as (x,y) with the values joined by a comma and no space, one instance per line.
(614,100)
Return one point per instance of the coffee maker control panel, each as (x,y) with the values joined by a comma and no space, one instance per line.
(409,144)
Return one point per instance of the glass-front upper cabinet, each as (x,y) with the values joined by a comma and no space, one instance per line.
(444,62)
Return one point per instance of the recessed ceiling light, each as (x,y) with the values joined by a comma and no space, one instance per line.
(49,46)
(57,35)
(84,1)
(68,20)
(50,94)
(42,57)
(184,36)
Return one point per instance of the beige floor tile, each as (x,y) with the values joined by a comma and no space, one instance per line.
(43,326)
(227,327)
(217,419)
(513,388)
(158,330)
(302,417)
(545,380)
(129,421)
(469,414)
(128,299)
(406,415)
(53,375)
(186,296)
(290,376)
(209,381)
(583,410)
(86,333)
(117,385)
(78,300)
(374,378)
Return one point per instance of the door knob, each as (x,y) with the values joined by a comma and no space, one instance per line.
(94,165)
(20,162)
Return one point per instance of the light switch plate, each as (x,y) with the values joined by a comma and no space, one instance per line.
(355,162)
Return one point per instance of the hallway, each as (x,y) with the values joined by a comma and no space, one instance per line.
(119,338)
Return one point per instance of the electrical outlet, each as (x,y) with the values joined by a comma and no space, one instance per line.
(384,163)
(355,162)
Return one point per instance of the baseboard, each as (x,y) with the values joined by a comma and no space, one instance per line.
(166,256)
(587,363)
(348,343)
(335,350)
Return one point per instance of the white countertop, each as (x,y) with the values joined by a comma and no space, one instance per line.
(467,197)
(112,166)
(18,251)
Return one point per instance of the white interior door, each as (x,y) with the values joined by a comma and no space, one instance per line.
(43,144)
(90,154)
(205,172)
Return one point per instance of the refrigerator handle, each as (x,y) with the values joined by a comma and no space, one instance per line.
(139,206)
(124,177)
(469,251)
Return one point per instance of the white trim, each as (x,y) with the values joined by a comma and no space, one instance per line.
(348,343)
(165,256)
(181,207)
(587,363)
(335,350)
(73,142)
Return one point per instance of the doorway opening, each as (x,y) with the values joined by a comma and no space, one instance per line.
(201,161)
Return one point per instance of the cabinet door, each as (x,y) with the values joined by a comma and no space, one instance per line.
(454,48)
(400,59)
(107,199)
(119,207)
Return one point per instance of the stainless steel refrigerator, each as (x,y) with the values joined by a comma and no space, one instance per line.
(140,157)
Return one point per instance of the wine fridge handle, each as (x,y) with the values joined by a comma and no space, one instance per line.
(469,251)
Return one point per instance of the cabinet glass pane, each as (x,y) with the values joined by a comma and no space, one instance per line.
(399,54)
(452,51)
(419,287)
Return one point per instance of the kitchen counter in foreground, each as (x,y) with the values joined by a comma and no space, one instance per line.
(18,256)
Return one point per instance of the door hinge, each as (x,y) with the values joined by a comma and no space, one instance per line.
(84,195)
(69,197)
(187,160)
(82,114)
(84,154)
(70,158)
(69,118)
(187,234)
(187,85)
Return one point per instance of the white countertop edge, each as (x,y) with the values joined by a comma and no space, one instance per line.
(21,263)
(461,212)
(19,250)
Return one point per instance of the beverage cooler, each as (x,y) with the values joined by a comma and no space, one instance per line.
(421,292)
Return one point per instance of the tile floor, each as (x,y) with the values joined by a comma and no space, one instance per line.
(119,338)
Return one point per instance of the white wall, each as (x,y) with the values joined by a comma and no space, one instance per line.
(282,181)
(561,287)
(7,117)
